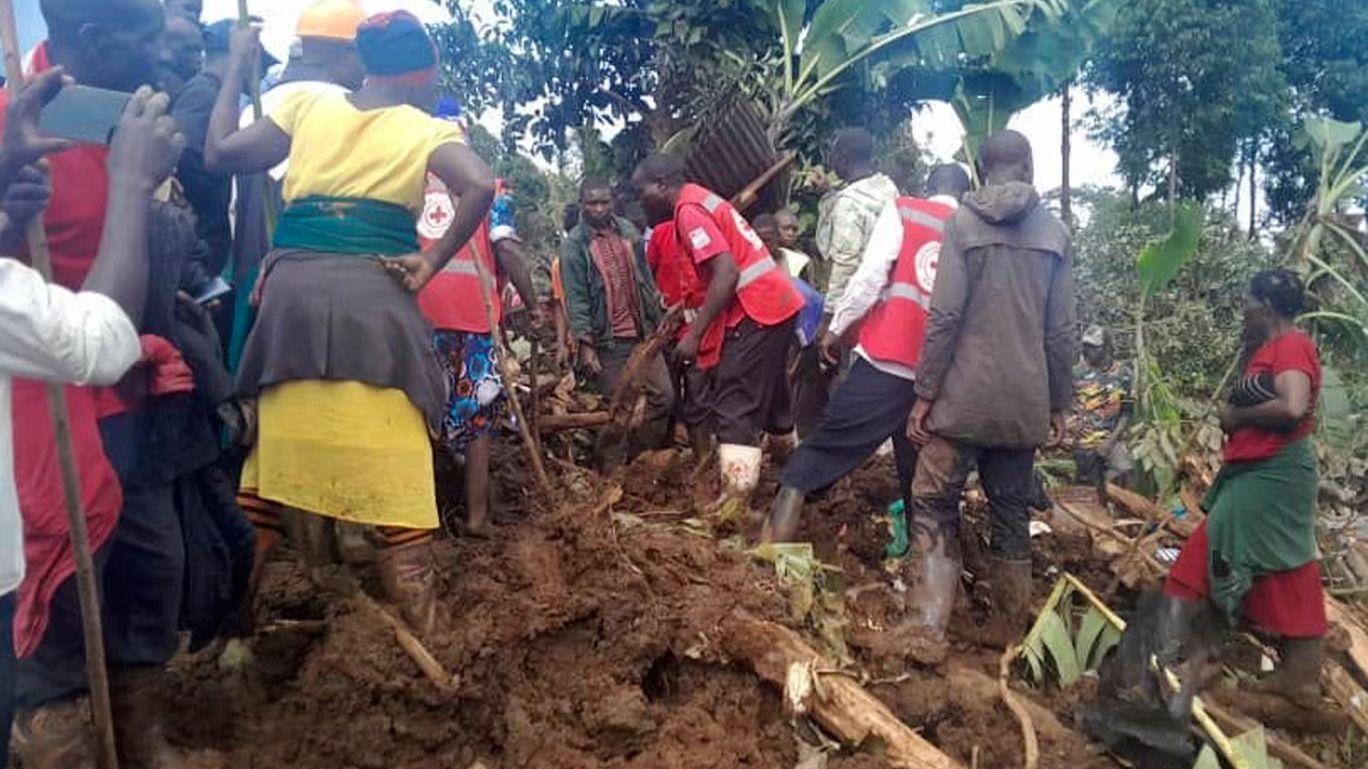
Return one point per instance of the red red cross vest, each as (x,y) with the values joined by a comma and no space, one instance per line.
(896,328)
(764,291)
(452,299)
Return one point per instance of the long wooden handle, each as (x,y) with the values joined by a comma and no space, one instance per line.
(88,588)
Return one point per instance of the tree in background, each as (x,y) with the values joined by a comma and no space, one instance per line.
(1196,81)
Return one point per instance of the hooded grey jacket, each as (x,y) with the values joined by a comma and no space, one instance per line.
(999,343)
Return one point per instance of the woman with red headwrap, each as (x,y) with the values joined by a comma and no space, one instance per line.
(339,359)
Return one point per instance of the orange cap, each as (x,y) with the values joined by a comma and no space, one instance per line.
(332,19)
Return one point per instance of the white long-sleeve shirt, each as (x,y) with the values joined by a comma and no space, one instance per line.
(873,275)
(49,333)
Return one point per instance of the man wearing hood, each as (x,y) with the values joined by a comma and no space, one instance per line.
(993,383)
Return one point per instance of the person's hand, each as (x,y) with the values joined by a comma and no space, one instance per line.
(244,44)
(829,348)
(413,271)
(1229,423)
(146,143)
(27,196)
(687,349)
(589,359)
(23,144)
(917,431)
(1058,429)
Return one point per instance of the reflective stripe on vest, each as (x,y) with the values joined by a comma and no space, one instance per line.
(922,218)
(756,271)
(459,266)
(713,202)
(909,292)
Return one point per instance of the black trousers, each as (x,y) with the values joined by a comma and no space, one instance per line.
(693,388)
(752,395)
(869,407)
(142,585)
(943,467)
(7,672)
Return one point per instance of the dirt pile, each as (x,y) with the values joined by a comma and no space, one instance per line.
(586,637)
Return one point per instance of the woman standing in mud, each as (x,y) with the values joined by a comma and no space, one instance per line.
(348,389)
(1255,555)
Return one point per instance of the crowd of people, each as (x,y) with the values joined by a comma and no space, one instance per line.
(278,315)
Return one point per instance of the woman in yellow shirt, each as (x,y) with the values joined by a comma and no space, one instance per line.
(339,359)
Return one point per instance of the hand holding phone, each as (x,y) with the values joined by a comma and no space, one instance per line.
(25,143)
(83,114)
(146,144)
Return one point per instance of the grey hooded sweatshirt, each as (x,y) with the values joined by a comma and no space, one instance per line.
(998,355)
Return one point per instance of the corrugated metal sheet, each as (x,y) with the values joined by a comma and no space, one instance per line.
(731,150)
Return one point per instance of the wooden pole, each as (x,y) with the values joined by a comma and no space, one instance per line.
(487,287)
(97,673)
(254,92)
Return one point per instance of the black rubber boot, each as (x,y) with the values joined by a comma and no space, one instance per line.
(785,515)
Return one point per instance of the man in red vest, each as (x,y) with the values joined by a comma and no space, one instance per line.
(751,295)
(680,284)
(887,298)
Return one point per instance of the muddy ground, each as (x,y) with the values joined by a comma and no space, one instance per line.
(585,637)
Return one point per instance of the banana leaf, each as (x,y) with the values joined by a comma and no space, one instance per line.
(1160,261)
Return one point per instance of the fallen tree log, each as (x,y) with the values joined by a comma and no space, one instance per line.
(586,419)
(1234,723)
(838,703)
(1358,637)
(1345,690)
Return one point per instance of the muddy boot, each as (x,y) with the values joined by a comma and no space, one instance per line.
(353,546)
(410,582)
(137,697)
(56,736)
(1297,678)
(933,579)
(740,467)
(782,446)
(1011,596)
(785,515)
(701,443)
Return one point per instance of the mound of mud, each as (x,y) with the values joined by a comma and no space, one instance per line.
(581,638)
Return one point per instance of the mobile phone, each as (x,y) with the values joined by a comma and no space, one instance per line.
(83,114)
(215,289)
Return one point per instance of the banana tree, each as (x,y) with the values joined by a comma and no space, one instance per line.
(1341,151)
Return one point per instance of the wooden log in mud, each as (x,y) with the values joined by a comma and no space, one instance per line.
(582,420)
(838,702)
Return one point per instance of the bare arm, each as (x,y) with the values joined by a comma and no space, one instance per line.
(508,255)
(257,147)
(1283,414)
(472,184)
(145,149)
(721,291)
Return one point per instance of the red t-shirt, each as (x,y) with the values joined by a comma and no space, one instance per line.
(703,240)
(1293,351)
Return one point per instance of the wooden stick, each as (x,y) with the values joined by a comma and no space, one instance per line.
(624,397)
(1013,703)
(1239,724)
(409,642)
(747,197)
(487,285)
(839,703)
(268,202)
(553,422)
(92,625)
(533,366)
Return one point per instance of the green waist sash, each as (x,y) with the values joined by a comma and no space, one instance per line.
(347,226)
